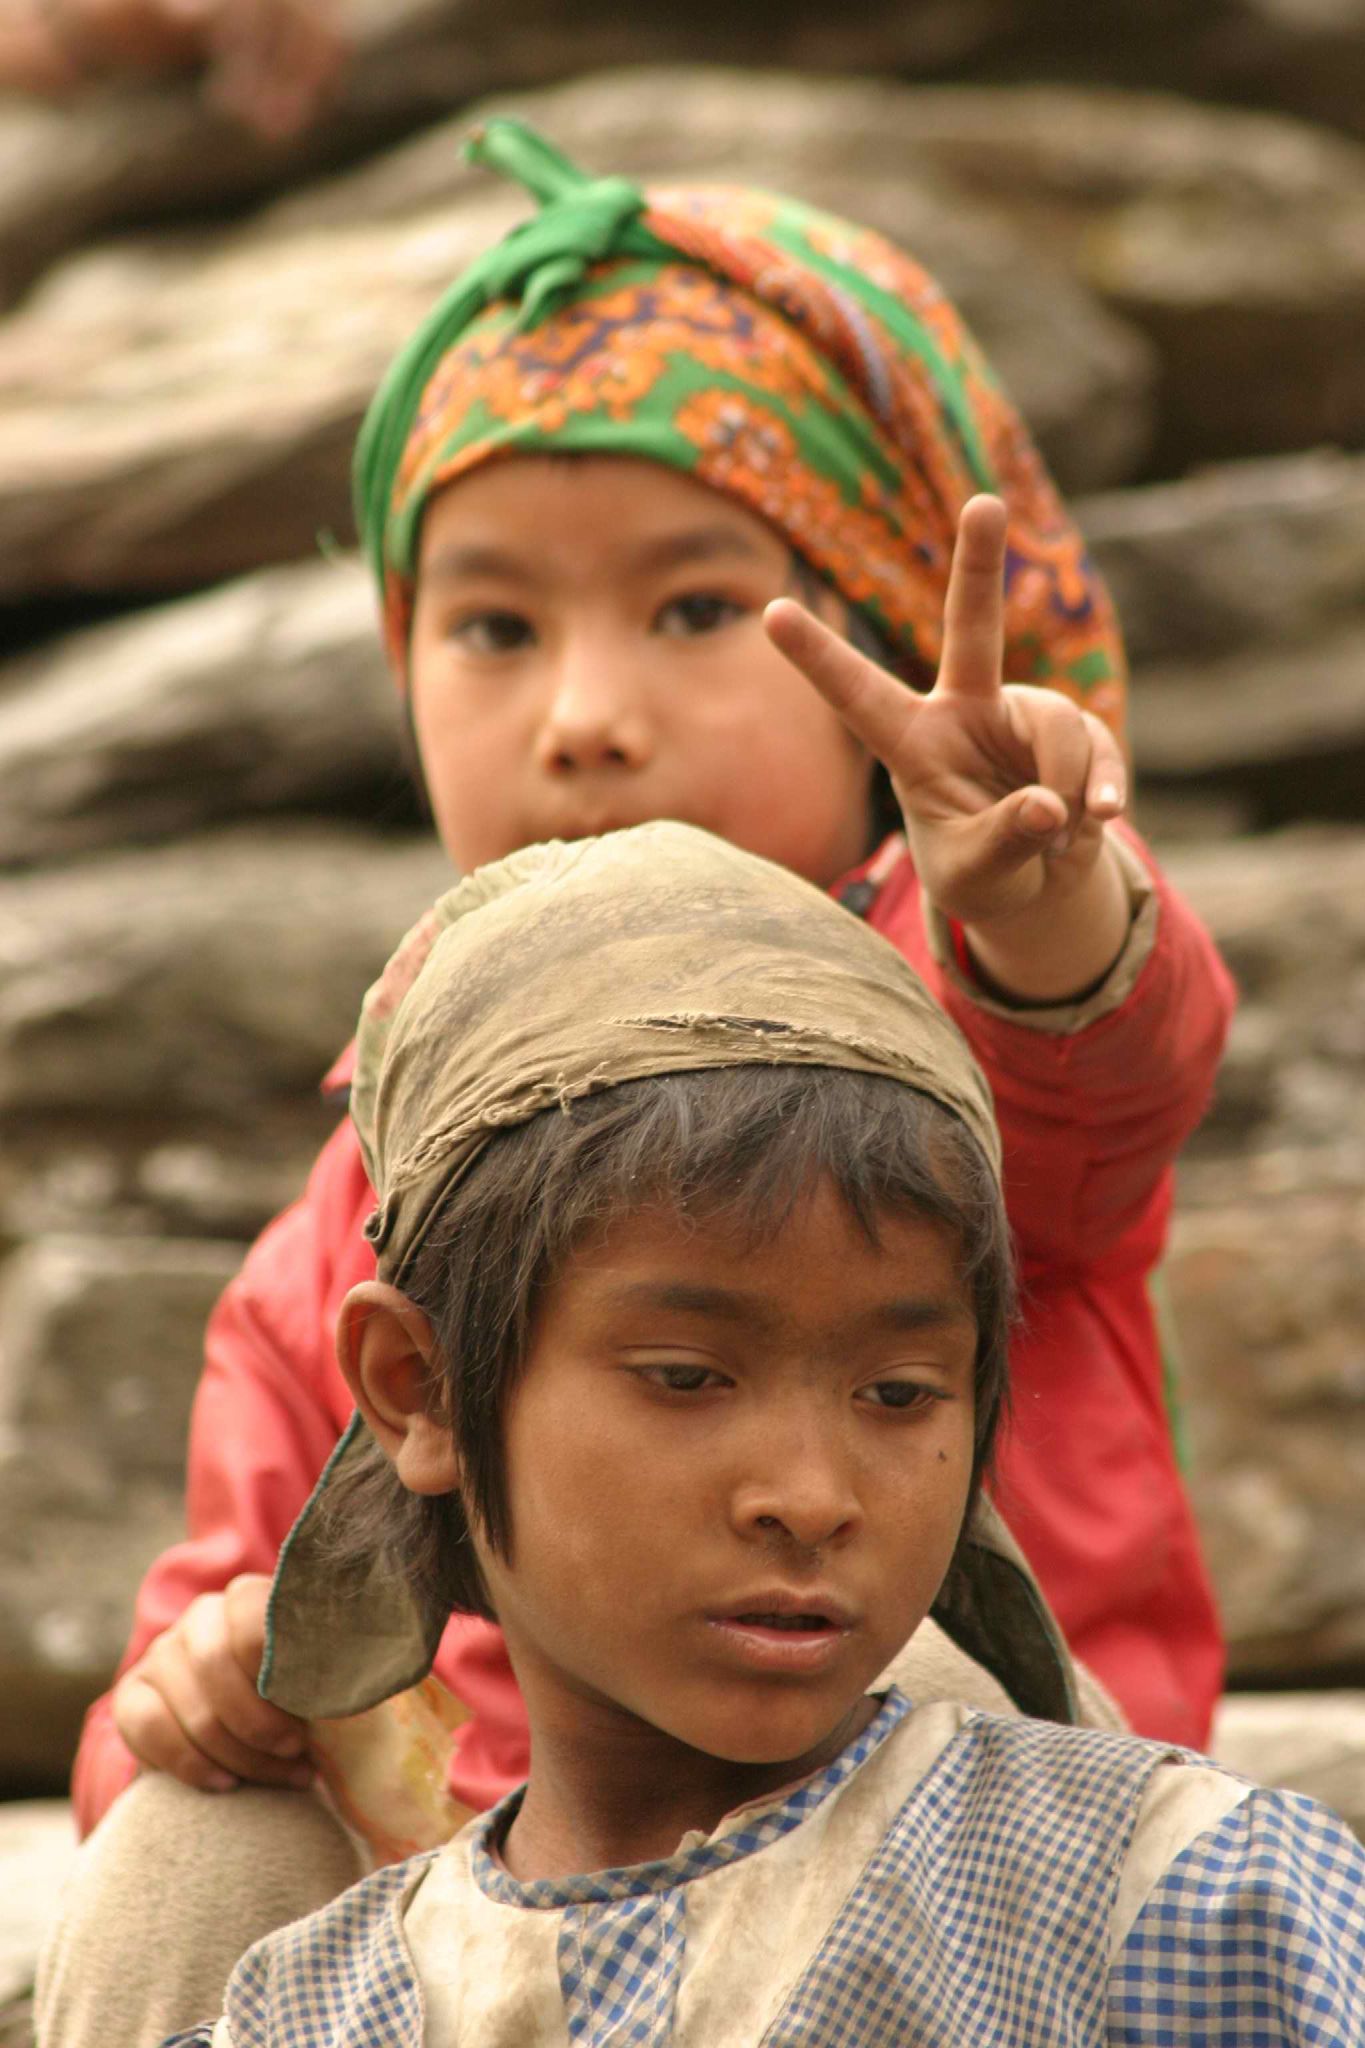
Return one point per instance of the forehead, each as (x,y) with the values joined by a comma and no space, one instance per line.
(816,1271)
(621,504)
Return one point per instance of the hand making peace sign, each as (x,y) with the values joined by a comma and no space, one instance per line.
(1005,789)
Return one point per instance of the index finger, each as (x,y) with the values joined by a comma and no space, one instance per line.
(876,708)
(973,659)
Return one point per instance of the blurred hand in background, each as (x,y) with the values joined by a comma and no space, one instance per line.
(272,64)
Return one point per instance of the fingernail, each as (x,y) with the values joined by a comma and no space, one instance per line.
(1059,843)
(1109,793)
(221,1781)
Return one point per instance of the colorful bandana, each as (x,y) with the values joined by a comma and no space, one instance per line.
(802,366)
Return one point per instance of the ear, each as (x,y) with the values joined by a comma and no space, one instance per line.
(387,1350)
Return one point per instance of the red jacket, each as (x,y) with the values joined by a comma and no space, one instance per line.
(1093,1106)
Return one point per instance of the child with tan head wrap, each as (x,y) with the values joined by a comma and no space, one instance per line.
(684,1361)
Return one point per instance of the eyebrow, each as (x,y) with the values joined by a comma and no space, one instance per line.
(670,551)
(901,1313)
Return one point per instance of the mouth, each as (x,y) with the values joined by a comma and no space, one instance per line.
(784,1631)
(809,1623)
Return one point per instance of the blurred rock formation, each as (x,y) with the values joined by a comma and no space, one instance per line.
(207,843)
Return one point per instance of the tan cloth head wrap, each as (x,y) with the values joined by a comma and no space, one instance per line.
(559,972)
(567,969)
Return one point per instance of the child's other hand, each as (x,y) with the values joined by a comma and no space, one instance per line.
(1005,789)
(190,1707)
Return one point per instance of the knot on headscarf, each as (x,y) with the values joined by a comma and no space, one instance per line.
(542,262)
(538,266)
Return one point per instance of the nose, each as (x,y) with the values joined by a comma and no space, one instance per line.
(798,1484)
(597,714)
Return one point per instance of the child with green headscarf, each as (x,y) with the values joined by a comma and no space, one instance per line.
(590,488)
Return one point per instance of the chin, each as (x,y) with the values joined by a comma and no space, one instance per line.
(768,1728)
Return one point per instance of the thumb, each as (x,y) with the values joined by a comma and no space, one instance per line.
(1022,825)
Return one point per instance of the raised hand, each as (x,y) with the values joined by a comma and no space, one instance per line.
(1005,789)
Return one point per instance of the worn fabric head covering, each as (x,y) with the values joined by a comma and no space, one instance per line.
(802,366)
(559,972)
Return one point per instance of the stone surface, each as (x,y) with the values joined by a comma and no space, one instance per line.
(1312,1742)
(205,984)
(1268,1298)
(101,1339)
(140,1174)
(1281,729)
(70,1569)
(1288,912)
(1235,241)
(1304,56)
(1245,554)
(268,694)
(176,412)
(131,154)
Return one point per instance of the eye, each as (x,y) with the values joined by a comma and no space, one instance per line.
(680,1378)
(493,632)
(902,1396)
(696,612)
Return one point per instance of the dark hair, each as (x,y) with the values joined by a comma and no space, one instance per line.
(743,1143)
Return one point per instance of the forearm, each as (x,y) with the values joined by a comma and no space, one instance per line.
(1061,945)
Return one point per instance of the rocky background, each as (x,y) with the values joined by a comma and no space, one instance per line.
(1155,223)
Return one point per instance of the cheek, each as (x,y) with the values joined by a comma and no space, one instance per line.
(804,796)
(926,1500)
(593,1500)
(466,757)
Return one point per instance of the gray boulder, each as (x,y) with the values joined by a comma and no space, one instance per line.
(1288,912)
(1268,1296)
(1239,555)
(1279,728)
(1235,241)
(266,695)
(165,1020)
(202,984)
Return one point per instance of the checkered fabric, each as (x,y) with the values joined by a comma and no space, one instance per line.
(1255,1938)
(620,1967)
(984,1916)
(340,1979)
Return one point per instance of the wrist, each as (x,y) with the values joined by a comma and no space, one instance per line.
(1060,947)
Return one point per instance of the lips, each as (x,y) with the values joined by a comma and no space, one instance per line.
(785,1608)
(779,1633)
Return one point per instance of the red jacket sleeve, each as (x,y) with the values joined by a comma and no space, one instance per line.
(266,1416)
(1095,1100)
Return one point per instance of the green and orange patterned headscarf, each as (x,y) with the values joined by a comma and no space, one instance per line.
(802,366)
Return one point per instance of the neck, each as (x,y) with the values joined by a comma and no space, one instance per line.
(611,1790)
